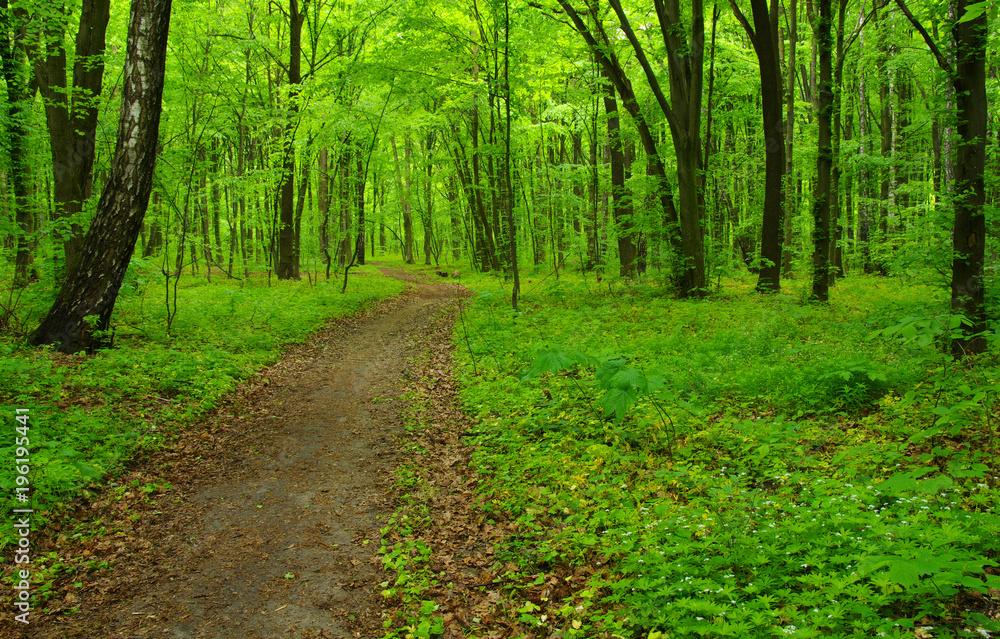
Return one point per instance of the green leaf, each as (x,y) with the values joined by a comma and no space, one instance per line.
(614,374)
(905,573)
(616,401)
(903,481)
(607,370)
(972,12)
(554,359)
(931,486)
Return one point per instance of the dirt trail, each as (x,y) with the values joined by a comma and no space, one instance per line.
(272,526)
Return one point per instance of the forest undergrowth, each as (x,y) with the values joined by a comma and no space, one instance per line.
(742,465)
(92,414)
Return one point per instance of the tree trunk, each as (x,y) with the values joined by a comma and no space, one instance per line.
(864,186)
(683,113)
(792,205)
(477,235)
(428,210)
(507,182)
(836,214)
(201,212)
(969,232)
(285,266)
(92,287)
(360,178)
(886,210)
(611,67)
(620,198)
(824,155)
(71,111)
(323,204)
(344,221)
(455,218)
(764,36)
(155,242)
(18,107)
(300,205)
(404,197)
(969,236)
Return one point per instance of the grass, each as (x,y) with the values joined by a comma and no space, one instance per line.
(91,414)
(736,466)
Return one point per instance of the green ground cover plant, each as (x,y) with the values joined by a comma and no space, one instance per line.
(91,413)
(742,465)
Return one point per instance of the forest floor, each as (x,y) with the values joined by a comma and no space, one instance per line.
(266,520)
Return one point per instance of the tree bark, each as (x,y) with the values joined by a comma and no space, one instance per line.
(604,54)
(345,193)
(683,114)
(969,236)
(300,205)
(428,210)
(71,111)
(836,213)
(969,231)
(404,197)
(285,266)
(621,200)
(824,155)
(886,194)
(764,37)
(323,204)
(360,178)
(864,178)
(792,205)
(508,182)
(18,104)
(92,287)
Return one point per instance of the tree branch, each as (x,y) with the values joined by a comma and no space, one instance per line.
(941,60)
(654,83)
(746,23)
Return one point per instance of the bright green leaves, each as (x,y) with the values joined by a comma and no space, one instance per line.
(924,331)
(910,481)
(555,359)
(943,571)
(973,11)
(622,384)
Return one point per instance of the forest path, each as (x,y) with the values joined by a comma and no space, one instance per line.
(272,526)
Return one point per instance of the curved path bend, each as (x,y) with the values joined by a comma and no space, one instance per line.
(272,525)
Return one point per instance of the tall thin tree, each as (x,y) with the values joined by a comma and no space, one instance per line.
(509,199)
(18,99)
(285,268)
(824,156)
(763,36)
